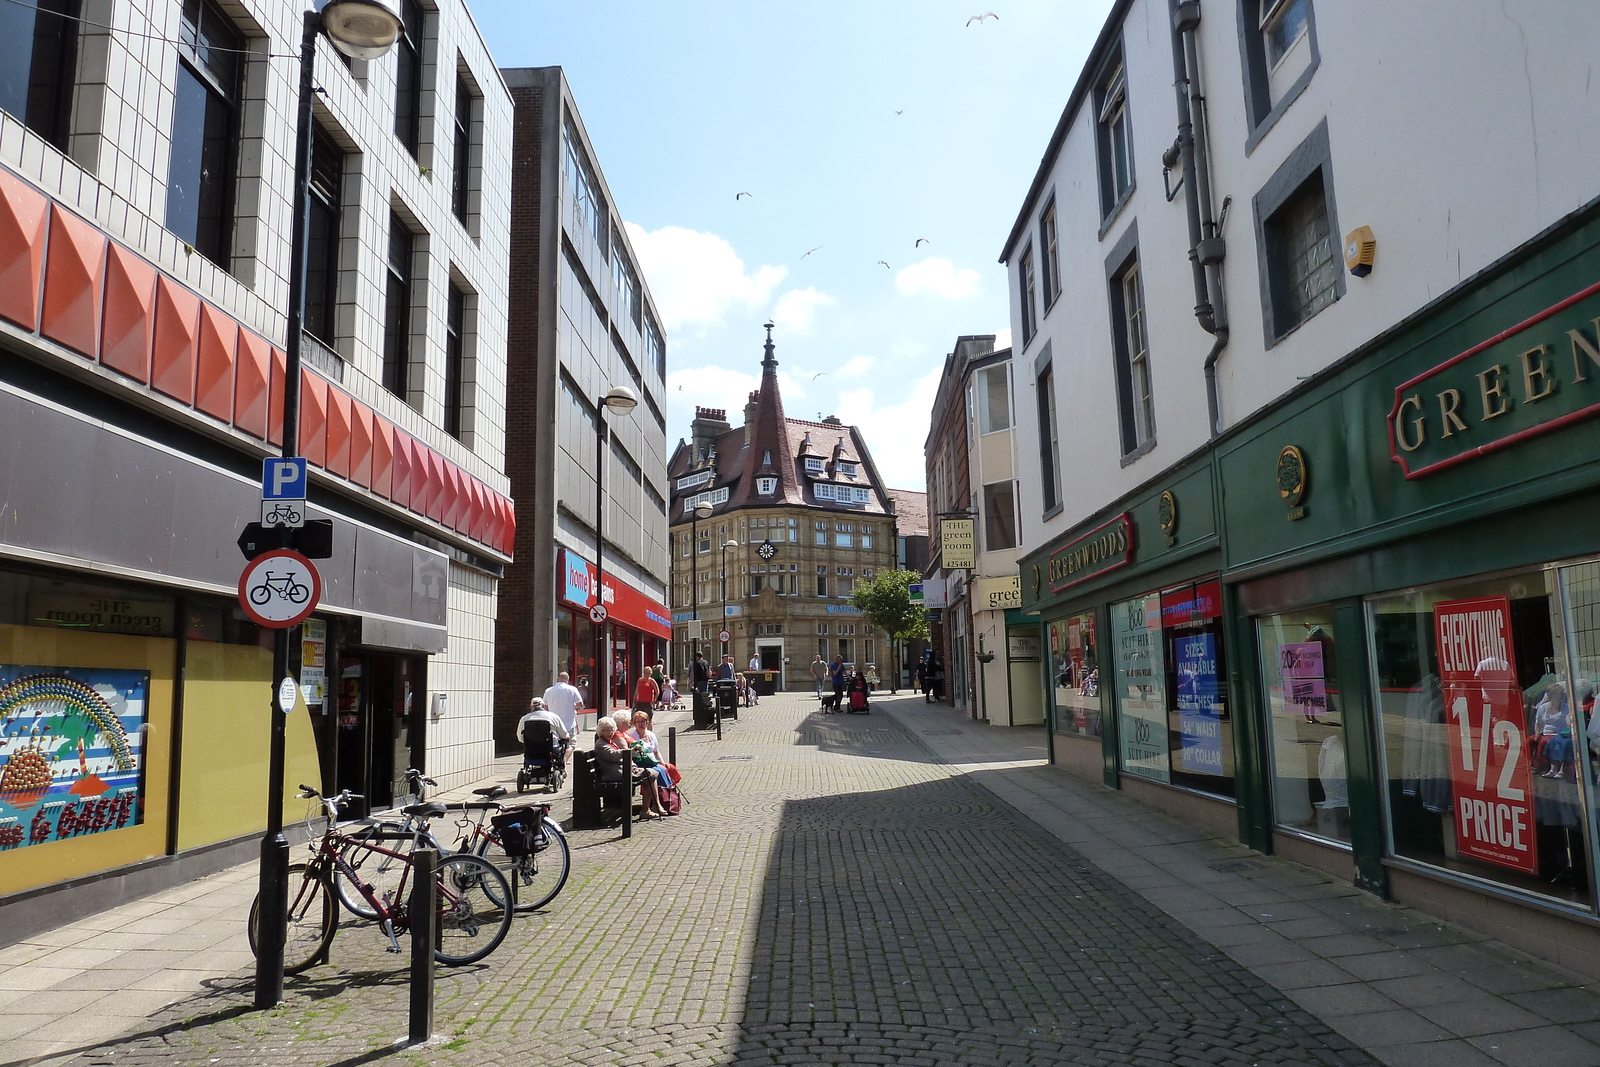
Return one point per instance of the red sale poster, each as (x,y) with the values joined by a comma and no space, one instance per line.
(1487,727)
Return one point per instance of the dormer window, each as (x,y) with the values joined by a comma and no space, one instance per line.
(846,470)
(813,465)
(766,486)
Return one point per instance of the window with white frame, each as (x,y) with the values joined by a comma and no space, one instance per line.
(1114,144)
(1030,300)
(1136,401)
(866,537)
(693,480)
(822,534)
(1049,454)
(846,469)
(714,497)
(1050,255)
(794,531)
(844,535)
(822,581)
(813,465)
(994,391)
(705,541)
(766,486)
(1279,58)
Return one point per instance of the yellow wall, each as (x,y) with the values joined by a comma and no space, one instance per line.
(227,700)
(54,861)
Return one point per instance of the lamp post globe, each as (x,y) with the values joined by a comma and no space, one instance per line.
(362,29)
(702,510)
(619,400)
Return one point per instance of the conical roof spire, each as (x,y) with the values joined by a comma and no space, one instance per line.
(769,362)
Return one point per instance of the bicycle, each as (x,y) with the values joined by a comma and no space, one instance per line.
(535,862)
(382,869)
(537,874)
(471,916)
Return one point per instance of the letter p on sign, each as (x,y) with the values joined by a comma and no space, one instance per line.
(283,479)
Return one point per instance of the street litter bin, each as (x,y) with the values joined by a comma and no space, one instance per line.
(765,682)
(705,712)
(726,693)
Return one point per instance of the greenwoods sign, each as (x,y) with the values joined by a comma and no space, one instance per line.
(1105,548)
(1530,379)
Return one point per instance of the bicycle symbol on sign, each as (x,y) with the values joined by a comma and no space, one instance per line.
(285,514)
(283,585)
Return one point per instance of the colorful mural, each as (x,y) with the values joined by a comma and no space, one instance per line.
(71,752)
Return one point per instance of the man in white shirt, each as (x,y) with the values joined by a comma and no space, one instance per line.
(564,699)
(755,661)
(538,710)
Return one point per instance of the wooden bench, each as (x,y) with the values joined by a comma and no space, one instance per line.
(591,798)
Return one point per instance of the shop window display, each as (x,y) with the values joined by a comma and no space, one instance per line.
(1305,715)
(1074,659)
(1141,688)
(1199,726)
(1480,733)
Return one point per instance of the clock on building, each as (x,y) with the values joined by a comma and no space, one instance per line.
(766,551)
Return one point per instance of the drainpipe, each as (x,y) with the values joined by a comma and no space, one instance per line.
(1207,247)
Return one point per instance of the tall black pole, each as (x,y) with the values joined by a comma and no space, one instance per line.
(274,887)
(604,658)
(694,587)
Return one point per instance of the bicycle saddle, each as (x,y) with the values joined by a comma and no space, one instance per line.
(491,791)
(431,810)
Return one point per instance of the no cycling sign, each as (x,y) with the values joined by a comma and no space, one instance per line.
(279,589)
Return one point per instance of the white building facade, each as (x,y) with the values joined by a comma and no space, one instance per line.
(146,170)
(1304,332)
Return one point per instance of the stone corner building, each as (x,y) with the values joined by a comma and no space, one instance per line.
(811,517)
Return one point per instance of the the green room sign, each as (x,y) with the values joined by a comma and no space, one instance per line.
(1530,379)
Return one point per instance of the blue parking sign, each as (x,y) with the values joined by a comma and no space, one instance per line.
(283,479)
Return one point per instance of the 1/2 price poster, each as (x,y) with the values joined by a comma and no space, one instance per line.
(1487,727)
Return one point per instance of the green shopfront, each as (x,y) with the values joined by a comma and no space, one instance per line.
(1362,630)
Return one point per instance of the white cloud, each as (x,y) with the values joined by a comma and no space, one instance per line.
(695,277)
(798,307)
(895,432)
(857,366)
(1002,338)
(940,277)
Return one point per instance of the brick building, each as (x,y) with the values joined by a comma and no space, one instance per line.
(808,515)
(581,321)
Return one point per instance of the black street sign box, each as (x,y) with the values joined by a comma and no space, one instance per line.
(314,540)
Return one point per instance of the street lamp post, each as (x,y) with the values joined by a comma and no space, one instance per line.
(729,543)
(619,400)
(702,510)
(361,29)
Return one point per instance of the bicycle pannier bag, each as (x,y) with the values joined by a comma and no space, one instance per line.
(520,831)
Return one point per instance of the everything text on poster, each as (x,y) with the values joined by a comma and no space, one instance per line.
(71,752)
(1486,724)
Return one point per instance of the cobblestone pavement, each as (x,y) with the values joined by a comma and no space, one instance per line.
(832,894)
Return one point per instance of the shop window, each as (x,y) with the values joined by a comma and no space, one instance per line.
(1484,726)
(1305,715)
(1074,659)
(1141,688)
(1199,728)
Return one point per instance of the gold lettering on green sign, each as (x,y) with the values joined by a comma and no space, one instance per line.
(1418,424)
(1493,393)
(1582,347)
(1449,406)
(1536,368)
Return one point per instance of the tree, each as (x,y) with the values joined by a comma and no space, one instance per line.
(886,602)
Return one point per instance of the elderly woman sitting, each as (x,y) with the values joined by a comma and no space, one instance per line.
(614,763)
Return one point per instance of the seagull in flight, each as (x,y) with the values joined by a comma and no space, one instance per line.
(817,375)
(884,265)
(737,196)
(979,19)
(902,111)
(816,249)
(920,242)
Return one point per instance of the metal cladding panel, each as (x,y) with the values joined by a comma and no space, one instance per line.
(104,499)
(313,418)
(382,456)
(130,314)
(280,371)
(400,469)
(22,223)
(361,433)
(339,443)
(74,269)
(250,387)
(177,330)
(214,366)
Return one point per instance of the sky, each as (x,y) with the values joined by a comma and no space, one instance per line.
(885,145)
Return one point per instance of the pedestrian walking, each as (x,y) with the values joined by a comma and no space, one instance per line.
(919,676)
(726,671)
(564,699)
(819,672)
(646,693)
(700,673)
(837,678)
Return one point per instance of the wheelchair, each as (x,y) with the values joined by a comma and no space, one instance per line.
(543,758)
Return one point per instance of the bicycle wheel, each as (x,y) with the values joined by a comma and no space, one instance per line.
(472,914)
(313,919)
(383,873)
(537,878)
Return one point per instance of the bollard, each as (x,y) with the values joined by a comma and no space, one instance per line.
(424,920)
(627,792)
(672,745)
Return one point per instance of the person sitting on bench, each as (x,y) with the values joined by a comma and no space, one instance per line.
(613,760)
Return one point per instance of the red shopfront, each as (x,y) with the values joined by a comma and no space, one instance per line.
(636,630)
